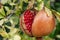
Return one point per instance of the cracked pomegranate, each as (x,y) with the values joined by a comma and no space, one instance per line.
(37,24)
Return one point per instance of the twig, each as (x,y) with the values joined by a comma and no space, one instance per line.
(30,5)
(8,16)
(39,38)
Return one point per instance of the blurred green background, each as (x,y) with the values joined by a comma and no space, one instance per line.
(10,11)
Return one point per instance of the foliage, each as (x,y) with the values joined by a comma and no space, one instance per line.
(10,11)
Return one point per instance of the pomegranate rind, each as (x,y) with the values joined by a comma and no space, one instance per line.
(42,24)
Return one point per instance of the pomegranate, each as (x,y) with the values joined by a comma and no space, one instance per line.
(37,24)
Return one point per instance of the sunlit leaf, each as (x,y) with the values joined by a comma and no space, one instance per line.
(14,20)
(8,12)
(17,11)
(4,1)
(26,1)
(15,37)
(47,3)
(57,14)
(1,16)
(39,0)
(13,31)
(3,33)
(9,1)
(12,4)
(14,0)
(2,12)
(1,22)
(58,36)
(21,4)
(40,5)
(47,38)
(7,9)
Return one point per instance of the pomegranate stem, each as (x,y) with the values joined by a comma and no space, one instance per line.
(39,38)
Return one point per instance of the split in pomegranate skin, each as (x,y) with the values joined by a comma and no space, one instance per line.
(28,19)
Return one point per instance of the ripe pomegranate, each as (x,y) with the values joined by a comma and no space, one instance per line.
(37,24)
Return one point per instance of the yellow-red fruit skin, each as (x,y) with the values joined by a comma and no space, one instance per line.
(42,24)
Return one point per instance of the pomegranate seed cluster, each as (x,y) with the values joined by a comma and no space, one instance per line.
(28,19)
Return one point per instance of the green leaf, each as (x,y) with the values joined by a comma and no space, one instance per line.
(39,0)
(1,16)
(47,38)
(53,34)
(17,11)
(9,1)
(39,5)
(12,4)
(57,14)
(14,0)
(26,1)
(15,37)
(58,27)
(8,12)
(58,9)
(4,1)
(3,33)
(6,8)
(1,22)
(47,3)
(58,36)
(2,12)
(21,4)
(14,19)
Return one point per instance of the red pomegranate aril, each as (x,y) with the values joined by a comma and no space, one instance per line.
(26,12)
(28,27)
(30,23)
(28,19)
